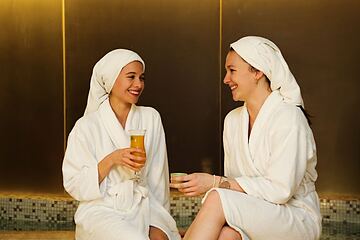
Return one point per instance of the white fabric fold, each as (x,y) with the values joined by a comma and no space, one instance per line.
(265,56)
(127,195)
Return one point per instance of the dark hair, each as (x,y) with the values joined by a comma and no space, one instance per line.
(307,115)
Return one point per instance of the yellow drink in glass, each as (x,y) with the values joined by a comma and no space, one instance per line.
(137,139)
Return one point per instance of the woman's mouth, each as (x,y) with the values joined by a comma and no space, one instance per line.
(233,87)
(135,92)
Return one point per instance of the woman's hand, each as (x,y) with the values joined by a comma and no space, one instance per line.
(132,158)
(193,184)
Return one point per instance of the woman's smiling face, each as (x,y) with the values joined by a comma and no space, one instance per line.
(129,84)
(238,77)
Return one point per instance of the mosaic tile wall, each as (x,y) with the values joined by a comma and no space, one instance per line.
(346,211)
(184,209)
(59,212)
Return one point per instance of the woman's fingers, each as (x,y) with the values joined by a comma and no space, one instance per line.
(192,194)
(136,159)
(178,185)
(183,186)
(134,165)
(132,158)
(127,163)
(189,189)
(186,178)
(137,151)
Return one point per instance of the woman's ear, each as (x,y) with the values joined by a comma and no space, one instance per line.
(259,75)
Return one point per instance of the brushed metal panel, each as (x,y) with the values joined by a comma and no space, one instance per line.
(320,41)
(31,96)
(179,43)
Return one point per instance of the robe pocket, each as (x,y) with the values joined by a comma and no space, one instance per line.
(122,195)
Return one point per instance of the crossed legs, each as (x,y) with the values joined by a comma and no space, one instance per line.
(209,223)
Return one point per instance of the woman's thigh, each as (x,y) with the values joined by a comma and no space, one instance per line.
(107,225)
(260,219)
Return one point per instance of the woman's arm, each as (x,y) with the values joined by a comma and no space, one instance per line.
(82,173)
(198,183)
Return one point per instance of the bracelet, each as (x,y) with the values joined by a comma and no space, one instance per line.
(225,184)
(220,179)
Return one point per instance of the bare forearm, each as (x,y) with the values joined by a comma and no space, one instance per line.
(234,185)
(104,167)
(230,184)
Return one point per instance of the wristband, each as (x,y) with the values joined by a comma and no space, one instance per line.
(224,184)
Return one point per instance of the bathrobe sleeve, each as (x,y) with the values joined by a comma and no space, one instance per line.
(158,174)
(80,170)
(290,147)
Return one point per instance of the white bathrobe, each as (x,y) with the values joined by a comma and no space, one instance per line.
(118,208)
(276,169)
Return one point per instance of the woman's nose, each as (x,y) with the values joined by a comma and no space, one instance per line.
(137,82)
(226,79)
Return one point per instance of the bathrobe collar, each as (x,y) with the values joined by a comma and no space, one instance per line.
(119,136)
(266,110)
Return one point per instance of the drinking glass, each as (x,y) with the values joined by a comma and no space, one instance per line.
(177,174)
(137,141)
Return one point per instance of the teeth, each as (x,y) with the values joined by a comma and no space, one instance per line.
(233,87)
(134,92)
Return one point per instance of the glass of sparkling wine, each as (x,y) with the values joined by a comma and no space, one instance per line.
(137,141)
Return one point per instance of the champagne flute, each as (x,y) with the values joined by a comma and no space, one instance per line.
(137,141)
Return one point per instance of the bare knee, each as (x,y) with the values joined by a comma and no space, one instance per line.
(212,199)
(212,208)
(228,233)
(157,234)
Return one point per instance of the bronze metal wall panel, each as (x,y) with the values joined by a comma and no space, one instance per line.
(179,42)
(320,41)
(31,96)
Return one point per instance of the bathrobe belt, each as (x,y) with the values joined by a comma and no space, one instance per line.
(127,195)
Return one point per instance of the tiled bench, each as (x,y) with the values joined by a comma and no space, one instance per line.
(50,212)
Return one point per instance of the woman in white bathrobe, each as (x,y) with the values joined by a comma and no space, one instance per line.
(98,167)
(270,156)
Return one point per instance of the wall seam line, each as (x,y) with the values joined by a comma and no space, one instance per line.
(220,81)
(64,69)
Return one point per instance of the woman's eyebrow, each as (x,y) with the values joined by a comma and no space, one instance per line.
(130,73)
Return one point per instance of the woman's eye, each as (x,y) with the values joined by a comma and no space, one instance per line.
(142,78)
(232,70)
(131,77)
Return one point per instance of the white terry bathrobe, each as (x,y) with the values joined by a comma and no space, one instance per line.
(118,208)
(275,165)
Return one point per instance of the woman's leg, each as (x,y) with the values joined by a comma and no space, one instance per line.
(209,221)
(103,223)
(228,233)
(156,234)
